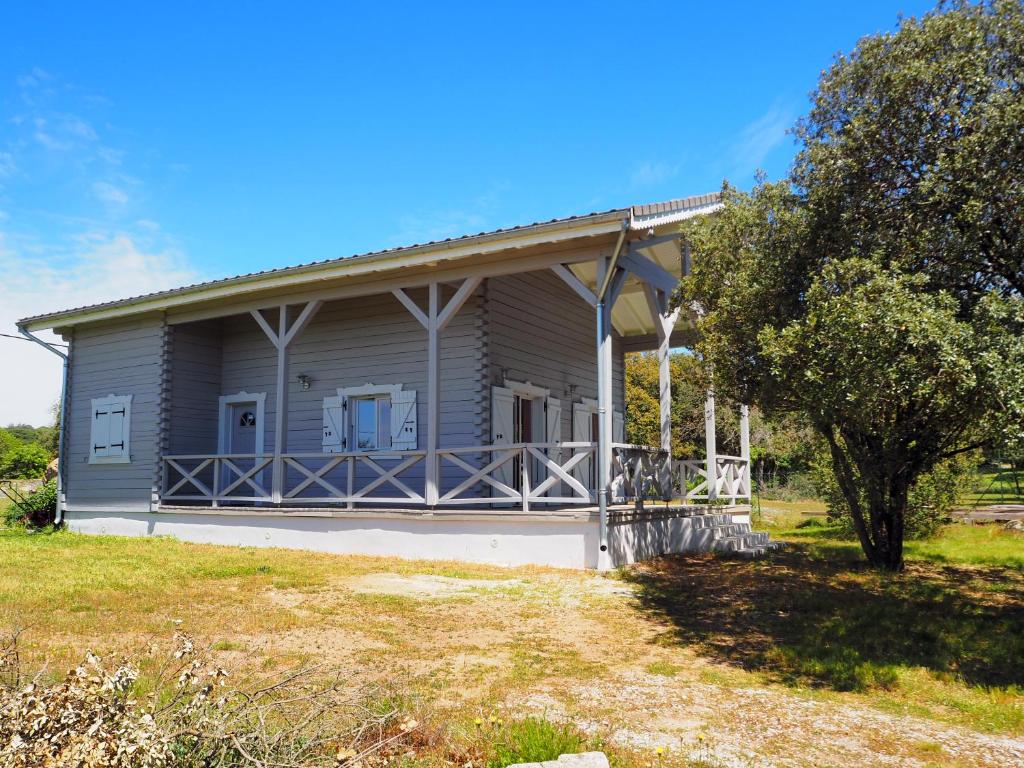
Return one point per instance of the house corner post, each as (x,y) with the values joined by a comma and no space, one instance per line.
(711,445)
(431,492)
(745,449)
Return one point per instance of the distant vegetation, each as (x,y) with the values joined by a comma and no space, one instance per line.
(25,451)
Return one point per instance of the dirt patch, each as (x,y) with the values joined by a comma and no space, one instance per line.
(423,586)
(763,726)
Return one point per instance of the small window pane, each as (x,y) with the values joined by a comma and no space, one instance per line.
(366,424)
(384,422)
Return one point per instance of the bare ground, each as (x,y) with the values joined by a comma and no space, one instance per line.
(575,647)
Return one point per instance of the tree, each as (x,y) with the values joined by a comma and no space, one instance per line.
(877,291)
(778,446)
(23,461)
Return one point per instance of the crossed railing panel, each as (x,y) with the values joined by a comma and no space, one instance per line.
(372,478)
(218,479)
(641,472)
(520,474)
(731,481)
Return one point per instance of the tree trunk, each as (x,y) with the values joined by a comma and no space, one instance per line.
(881,530)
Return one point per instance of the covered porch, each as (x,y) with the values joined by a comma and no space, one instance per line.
(425,460)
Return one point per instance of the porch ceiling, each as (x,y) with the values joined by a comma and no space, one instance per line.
(631,315)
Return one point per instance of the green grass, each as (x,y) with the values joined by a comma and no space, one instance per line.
(945,638)
(996,486)
(532,740)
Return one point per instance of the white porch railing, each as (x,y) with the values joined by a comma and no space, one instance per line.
(731,482)
(641,472)
(520,475)
(218,479)
(308,478)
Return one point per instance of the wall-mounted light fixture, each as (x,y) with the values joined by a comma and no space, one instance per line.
(304,380)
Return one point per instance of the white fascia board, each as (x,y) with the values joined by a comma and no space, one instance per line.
(655,220)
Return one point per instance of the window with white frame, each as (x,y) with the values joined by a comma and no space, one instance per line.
(372,417)
(371,422)
(110,431)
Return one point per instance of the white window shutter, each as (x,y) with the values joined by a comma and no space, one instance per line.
(334,425)
(553,434)
(503,403)
(110,431)
(553,417)
(581,434)
(100,432)
(618,427)
(403,420)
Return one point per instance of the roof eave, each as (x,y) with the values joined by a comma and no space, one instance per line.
(535,234)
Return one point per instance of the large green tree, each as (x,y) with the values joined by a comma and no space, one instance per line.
(877,291)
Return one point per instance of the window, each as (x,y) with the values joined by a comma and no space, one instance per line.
(110,430)
(372,417)
(371,423)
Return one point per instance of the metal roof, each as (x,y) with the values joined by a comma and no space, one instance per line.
(639,216)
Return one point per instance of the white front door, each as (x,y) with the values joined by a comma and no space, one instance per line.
(241,434)
(243,426)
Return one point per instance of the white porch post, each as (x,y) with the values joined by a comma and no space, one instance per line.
(711,445)
(664,323)
(745,448)
(282,339)
(605,405)
(281,405)
(435,320)
(433,395)
(604,432)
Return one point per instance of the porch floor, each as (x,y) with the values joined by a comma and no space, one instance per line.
(651,509)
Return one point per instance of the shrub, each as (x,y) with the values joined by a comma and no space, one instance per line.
(23,461)
(190,718)
(533,740)
(796,487)
(929,503)
(39,508)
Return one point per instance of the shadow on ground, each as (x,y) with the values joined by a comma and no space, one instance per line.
(831,621)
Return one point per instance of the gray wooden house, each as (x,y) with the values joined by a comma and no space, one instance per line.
(459,399)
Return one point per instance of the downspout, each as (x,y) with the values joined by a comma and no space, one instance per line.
(59,515)
(604,453)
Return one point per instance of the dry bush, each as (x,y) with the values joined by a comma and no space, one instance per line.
(192,716)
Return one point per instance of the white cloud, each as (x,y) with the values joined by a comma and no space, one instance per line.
(86,269)
(649,174)
(7,166)
(441,224)
(760,137)
(108,193)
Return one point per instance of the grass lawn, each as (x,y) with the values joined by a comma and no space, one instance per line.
(923,668)
(996,486)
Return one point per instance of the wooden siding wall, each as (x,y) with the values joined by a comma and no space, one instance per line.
(542,332)
(122,359)
(195,374)
(348,343)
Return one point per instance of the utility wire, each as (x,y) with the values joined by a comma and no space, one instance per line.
(22,338)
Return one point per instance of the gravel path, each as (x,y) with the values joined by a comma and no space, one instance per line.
(766,727)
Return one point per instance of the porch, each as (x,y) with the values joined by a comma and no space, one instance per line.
(442,393)
(544,476)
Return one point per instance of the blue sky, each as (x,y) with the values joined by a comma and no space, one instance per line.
(145,147)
